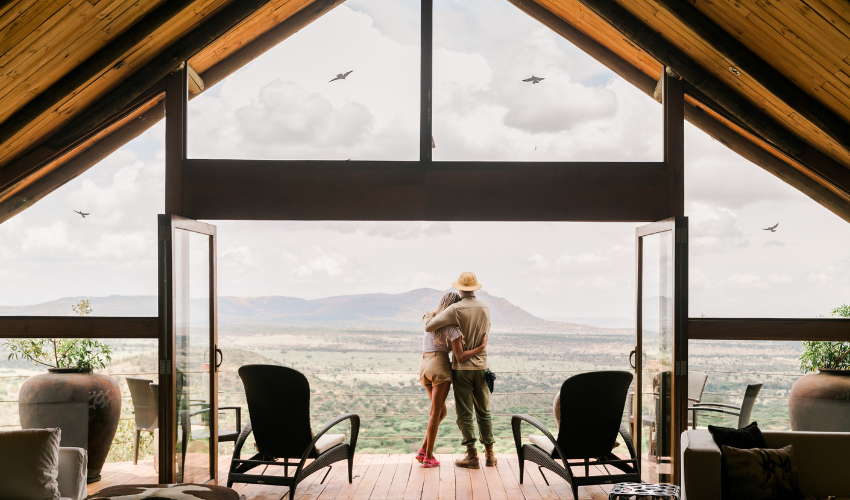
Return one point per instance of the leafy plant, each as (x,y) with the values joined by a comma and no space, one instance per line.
(827,355)
(86,354)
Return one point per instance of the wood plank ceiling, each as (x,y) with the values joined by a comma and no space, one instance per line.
(45,43)
(807,41)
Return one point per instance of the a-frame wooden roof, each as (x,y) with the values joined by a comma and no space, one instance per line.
(769,78)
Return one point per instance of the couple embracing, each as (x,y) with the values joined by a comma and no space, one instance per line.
(460,325)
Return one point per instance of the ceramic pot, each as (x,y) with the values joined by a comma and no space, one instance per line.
(821,402)
(86,406)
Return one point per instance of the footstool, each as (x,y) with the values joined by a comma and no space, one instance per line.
(166,492)
(644,491)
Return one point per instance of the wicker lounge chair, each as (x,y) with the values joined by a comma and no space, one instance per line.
(591,416)
(279,408)
(144,408)
(696,386)
(743,412)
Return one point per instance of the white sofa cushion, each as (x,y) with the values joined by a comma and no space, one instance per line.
(29,464)
(542,442)
(73,469)
(328,441)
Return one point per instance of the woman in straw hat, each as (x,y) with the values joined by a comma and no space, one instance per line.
(435,373)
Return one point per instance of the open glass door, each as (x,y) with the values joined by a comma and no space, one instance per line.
(188,381)
(659,408)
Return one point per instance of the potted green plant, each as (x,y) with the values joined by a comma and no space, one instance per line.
(85,405)
(820,400)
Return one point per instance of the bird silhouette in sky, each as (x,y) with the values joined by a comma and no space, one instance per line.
(81,213)
(534,79)
(772,229)
(341,76)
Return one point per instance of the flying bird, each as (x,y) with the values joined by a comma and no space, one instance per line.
(772,229)
(341,76)
(534,79)
(81,213)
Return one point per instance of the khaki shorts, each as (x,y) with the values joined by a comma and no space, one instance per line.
(435,368)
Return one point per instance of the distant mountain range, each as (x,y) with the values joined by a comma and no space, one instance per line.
(402,311)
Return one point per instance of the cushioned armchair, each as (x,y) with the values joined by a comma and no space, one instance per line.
(279,407)
(34,467)
(590,421)
(821,457)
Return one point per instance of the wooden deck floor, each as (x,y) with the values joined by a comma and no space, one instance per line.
(391,477)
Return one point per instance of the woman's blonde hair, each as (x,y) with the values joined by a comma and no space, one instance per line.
(447,300)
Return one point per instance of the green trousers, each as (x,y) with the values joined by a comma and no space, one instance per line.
(472,395)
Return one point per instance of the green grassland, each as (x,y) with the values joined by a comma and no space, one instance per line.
(375,374)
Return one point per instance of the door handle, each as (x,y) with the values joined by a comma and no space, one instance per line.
(632,358)
(219,358)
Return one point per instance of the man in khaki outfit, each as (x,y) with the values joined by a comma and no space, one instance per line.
(472,317)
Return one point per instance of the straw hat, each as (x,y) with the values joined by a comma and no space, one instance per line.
(467,282)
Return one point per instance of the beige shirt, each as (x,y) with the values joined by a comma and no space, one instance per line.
(473,318)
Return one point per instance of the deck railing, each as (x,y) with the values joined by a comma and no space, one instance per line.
(123,443)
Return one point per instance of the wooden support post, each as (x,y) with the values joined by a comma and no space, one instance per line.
(176,107)
(426,81)
(680,343)
(673,102)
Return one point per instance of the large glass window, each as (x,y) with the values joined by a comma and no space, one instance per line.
(131,359)
(739,267)
(345,87)
(484,50)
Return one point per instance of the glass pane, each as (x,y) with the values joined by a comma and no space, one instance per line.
(345,87)
(487,108)
(191,304)
(130,369)
(657,338)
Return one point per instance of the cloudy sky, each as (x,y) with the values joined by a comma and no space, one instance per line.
(282,106)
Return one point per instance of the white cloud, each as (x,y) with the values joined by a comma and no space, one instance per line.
(282,106)
(746,281)
(118,245)
(48,240)
(538,262)
(322,265)
(564,260)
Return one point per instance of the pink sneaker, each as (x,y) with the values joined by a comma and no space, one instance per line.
(430,462)
(420,456)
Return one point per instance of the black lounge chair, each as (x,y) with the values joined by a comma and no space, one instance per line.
(744,412)
(592,407)
(279,408)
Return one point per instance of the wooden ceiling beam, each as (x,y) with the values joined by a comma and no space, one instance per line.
(751,148)
(702,112)
(64,164)
(828,170)
(104,60)
(141,82)
(43,156)
(745,60)
(588,45)
(26,197)
(267,40)
(215,26)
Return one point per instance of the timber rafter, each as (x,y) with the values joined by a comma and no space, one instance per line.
(29,178)
(710,104)
(832,174)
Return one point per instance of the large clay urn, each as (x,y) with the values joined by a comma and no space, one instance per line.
(821,402)
(86,406)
